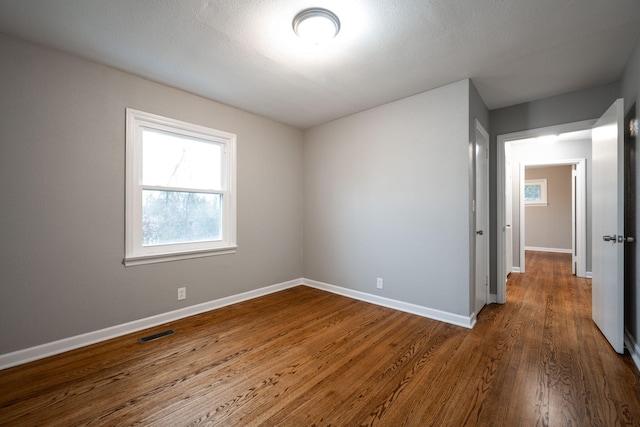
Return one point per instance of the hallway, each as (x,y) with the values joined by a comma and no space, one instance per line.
(567,371)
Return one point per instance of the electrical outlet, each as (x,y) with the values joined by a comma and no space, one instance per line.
(379,283)
(182,293)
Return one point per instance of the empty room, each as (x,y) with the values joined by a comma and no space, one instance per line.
(291,213)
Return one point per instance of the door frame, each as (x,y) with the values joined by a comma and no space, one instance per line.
(502,140)
(479,129)
(578,211)
(508,237)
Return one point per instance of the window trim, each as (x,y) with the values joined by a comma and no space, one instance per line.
(135,252)
(542,182)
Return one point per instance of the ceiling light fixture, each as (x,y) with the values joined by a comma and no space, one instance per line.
(547,139)
(316,25)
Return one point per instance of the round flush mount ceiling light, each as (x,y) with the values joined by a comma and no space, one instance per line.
(547,139)
(316,25)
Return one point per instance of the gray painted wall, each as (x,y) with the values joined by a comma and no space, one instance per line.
(630,89)
(387,195)
(525,152)
(550,226)
(571,107)
(62,181)
(62,177)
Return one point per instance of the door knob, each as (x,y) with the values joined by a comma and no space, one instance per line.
(613,238)
(480,232)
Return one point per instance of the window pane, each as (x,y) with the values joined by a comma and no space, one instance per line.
(533,193)
(180,217)
(171,160)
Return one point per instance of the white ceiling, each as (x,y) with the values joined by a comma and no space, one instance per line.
(245,54)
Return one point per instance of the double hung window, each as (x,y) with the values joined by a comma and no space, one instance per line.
(180,190)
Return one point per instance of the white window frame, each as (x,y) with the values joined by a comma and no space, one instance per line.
(135,252)
(543,192)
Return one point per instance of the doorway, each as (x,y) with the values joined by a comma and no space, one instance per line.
(568,237)
(503,149)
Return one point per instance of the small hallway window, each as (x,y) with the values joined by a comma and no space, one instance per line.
(535,192)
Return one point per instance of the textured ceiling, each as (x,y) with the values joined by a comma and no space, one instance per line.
(244,52)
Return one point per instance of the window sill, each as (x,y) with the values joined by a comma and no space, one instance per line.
(177,256)
(526,204)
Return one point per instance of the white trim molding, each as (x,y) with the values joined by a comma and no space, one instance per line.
(56,347)
(633,347)
(588,275)
(431,313)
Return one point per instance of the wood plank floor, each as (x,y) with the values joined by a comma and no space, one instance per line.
(303,357)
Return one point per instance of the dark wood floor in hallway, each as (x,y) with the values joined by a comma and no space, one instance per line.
(305,357)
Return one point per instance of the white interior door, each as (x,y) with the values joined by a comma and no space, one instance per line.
(482,217)
(608,225)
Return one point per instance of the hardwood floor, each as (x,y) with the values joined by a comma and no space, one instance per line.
(305,357)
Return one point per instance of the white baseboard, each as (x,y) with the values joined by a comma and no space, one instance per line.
(56,347)
(633,347)
(431,313)
(515,269)
(60,346)
(555,250)
(472,321)
(588,275)
(493,299)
